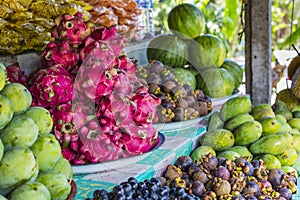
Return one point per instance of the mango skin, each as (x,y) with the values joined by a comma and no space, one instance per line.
(288,157)
(294,123)
(296,142)
(271,144)
(247,133)
(32,191)
(235,106)
(230,155)
(2,76)
(237,120)
(285,112)
(219,140)
(215,122)
(281,119)
(269,125)
(6,111)
(1,149)
(289,169)
(270,160)
(63,166)
(259,107)
(264,113)
(242,151)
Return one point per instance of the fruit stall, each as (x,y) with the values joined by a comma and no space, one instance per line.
(90,109)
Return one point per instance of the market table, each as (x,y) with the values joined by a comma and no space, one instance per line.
(177,143)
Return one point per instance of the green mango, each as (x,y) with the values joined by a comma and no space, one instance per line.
(42,118)
(6,111)
(288,157)
(215,122)
(296,141)
(296,165)
(289,169)
(31,191)
(294,123)
(264,113)
(19,97)
(47,150)
(269,125)
(285,112)
(242,151)
(2,76)
(235,106)
(271,144)
(237,120)
(247,133)
(260,107)
(270,160)
(63,166)
(285,128)
(219,140)
(296,114)
(279,105)
(281,119)
(230,155)
(57,183)
(18,165)
(295,108)
(20,132)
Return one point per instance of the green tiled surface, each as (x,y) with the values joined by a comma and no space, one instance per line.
(155,157)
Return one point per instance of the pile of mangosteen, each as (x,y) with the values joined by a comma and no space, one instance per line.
(179,101)
(218,178)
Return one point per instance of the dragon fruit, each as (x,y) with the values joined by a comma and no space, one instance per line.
(51,86)
(71,28)
(60,53)
(16,75)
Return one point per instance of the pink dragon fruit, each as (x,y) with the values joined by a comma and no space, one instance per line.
(71,28)
(51,86)
(16,75)
(60,53)
(103,44)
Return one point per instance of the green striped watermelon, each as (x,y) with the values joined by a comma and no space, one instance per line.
(186,20)
(235,69)
(207,51)
(185,76)
(168,49)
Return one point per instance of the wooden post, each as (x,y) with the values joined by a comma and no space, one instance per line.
(258,38)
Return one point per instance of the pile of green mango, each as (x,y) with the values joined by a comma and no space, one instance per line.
(31,164)
(266,132)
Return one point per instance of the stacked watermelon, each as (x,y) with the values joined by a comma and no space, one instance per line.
(203,54)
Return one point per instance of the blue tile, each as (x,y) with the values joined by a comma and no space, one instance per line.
(155,157)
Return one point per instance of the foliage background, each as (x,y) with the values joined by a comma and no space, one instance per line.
(224,18)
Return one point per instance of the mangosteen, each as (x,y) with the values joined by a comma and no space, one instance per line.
(264,184)
(153,78)
(209,185)
(237,184)
(248,168)
(200,176)
(221,187)
(187,180)
(197,188)
(183,162)
(191,101)
(168,86)
(193,168)
(179,114)
(209,161)
(168,103)
(188,88)
(275,177)
(251,188)
(238,197)
(153,88)
(240,161)
(203,108)
(172,172)
(222,172)
(167,75)
(156,66)
(199,94)
(255,163)
(286,193)
(182,103)
(179,92)
(141,72)
(209,195)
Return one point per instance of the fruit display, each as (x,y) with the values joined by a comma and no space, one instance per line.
(31,163)
(101,110)
(266,132)
(203,54)
(212,177)
(179,101)
(26,25)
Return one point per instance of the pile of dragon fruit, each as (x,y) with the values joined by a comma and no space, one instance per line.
(101,110)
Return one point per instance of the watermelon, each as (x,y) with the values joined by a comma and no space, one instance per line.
(235,69)
(186,20)
(215,82)
(207,51)
(168,49)
(185,76)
